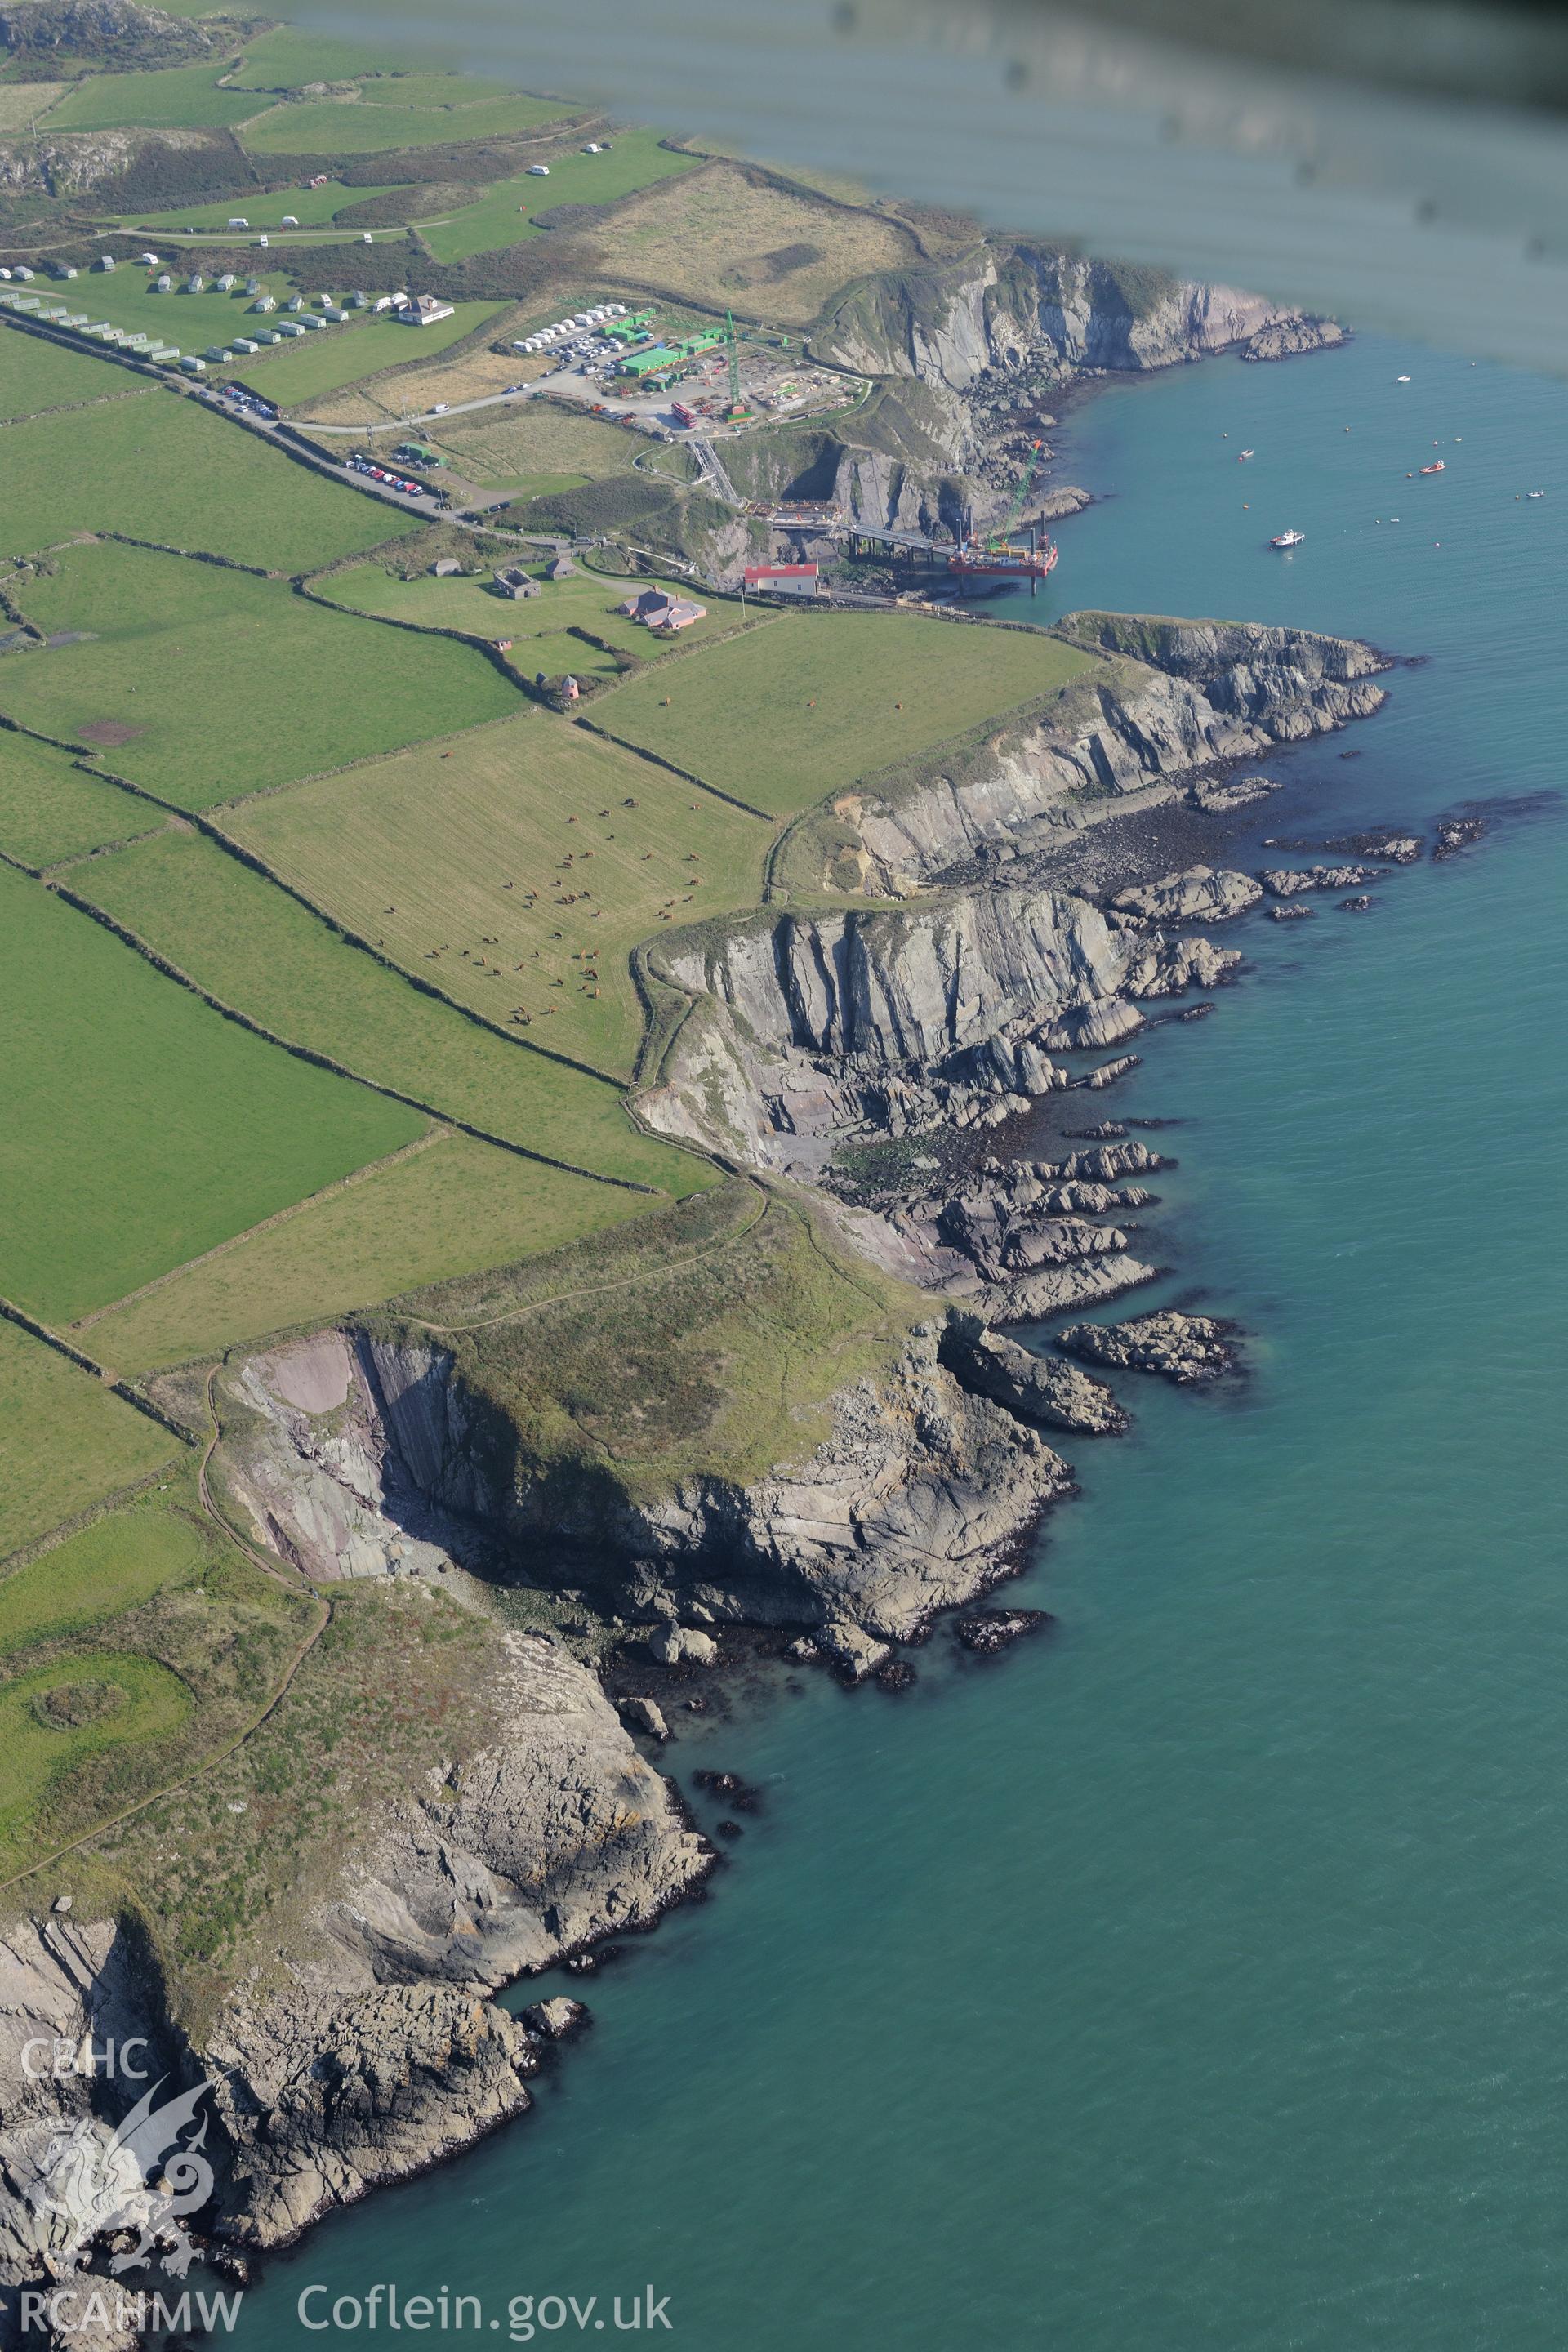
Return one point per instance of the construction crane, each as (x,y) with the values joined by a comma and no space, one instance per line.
(738,413)
(996,557)
(1001,537)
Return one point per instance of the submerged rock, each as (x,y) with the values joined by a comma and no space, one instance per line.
(989,1630)
(1457,833)
(1290,914)
(1180,1348)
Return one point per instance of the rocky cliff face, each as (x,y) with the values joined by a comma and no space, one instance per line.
(1004,303)
(383,2055)
(1182,698)
(909,1506)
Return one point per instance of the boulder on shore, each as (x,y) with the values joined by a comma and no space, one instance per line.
(682,1646)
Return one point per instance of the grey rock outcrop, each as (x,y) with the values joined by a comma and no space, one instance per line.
(1288,337)
(1289,882)
(322,2100)
(1185,696)
(1040,1388)
(1222,797)
(1180,1348)
(1202,894)
(532,1848)
(855,1653)
(555,2021)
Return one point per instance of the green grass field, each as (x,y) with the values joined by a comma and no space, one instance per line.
(115,1563)
(288,57)
(350,127)
(322,363)
(163,468)
(311,207)
(451,1210)
(203,683)
(420,849)
(786,714)
(66,1440)
(141,1127)
(522,447)
(36,376)
(536,624)
(184,97)
(505,213)
(256,948)
(49,808)
(151,1703)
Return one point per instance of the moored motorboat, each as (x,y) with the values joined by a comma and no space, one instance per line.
(1289,539)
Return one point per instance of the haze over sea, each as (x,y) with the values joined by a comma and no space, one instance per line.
(1195,1981)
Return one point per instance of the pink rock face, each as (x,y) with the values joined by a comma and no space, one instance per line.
(313,1377)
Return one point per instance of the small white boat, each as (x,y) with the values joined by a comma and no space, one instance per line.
(1535,494)
(1402,379)
(1247,452)
(1289,539)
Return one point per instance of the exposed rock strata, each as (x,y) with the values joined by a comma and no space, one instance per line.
(1199,895)
(1287,336)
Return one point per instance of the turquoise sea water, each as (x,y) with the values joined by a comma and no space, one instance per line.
(1195,1980)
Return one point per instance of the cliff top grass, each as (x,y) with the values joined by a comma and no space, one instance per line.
(200,682)
(637,159)
(448,1207)
(732,235)
(706,1341)
(66,1442)
(132,1651)
(813,703)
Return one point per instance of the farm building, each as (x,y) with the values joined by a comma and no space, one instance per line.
(657,609)
(678,614)
(560,567)
(516,583)
(783,578)
(425,310)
